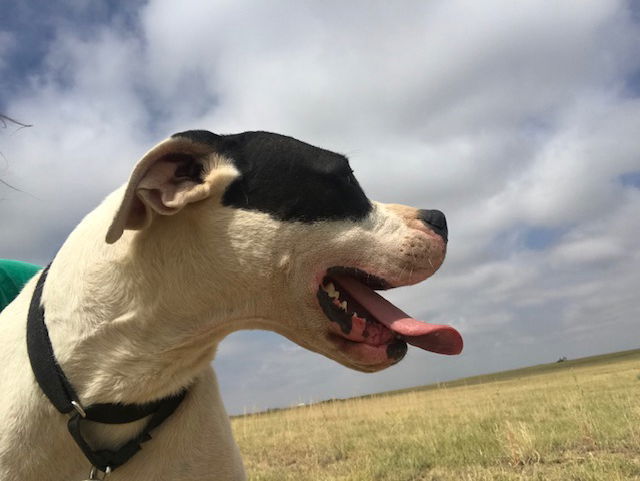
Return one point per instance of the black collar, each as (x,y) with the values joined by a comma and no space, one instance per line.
(60,392)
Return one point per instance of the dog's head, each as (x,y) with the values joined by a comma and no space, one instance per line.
(280,235)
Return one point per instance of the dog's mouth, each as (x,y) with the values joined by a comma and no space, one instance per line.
(370,330)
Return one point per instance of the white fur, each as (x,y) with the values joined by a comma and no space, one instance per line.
(140,316)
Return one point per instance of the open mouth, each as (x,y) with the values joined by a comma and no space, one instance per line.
(369,329)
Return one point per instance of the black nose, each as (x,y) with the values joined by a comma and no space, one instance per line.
(436,221)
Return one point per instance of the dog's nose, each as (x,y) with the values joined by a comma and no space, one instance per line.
(436,221)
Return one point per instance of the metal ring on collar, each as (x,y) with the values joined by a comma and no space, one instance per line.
(78,407)
(93,474)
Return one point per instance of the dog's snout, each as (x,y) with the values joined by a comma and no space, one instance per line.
(435,220)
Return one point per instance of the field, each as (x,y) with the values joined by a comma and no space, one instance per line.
(571,421)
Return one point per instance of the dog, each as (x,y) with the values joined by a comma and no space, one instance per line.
(211,234)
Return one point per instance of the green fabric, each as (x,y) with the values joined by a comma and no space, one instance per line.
(13,276)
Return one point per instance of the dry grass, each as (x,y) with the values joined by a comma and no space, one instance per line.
(575,421)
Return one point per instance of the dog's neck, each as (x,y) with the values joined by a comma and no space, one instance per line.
(113,351)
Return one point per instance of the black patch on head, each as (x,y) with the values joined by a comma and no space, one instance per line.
(289,179)
(200,136)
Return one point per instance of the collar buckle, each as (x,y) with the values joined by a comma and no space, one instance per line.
(79,409)
(93,474)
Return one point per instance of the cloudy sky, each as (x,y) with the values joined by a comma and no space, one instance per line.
(520,120)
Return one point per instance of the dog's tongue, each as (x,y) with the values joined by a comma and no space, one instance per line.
(431,337)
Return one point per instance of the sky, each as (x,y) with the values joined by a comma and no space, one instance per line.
(519,120)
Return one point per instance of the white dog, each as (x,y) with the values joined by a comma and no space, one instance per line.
(211,234)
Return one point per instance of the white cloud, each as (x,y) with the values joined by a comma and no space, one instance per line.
(590,250)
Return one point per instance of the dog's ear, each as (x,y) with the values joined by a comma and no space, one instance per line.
(174,173)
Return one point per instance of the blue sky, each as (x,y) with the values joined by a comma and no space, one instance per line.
(520,120)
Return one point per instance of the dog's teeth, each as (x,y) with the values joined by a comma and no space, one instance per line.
(343,305)
(331,290)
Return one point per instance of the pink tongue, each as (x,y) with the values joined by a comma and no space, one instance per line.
(431,337)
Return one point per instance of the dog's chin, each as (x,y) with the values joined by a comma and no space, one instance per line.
(364,357)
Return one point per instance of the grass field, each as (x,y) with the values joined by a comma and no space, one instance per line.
(572,421)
